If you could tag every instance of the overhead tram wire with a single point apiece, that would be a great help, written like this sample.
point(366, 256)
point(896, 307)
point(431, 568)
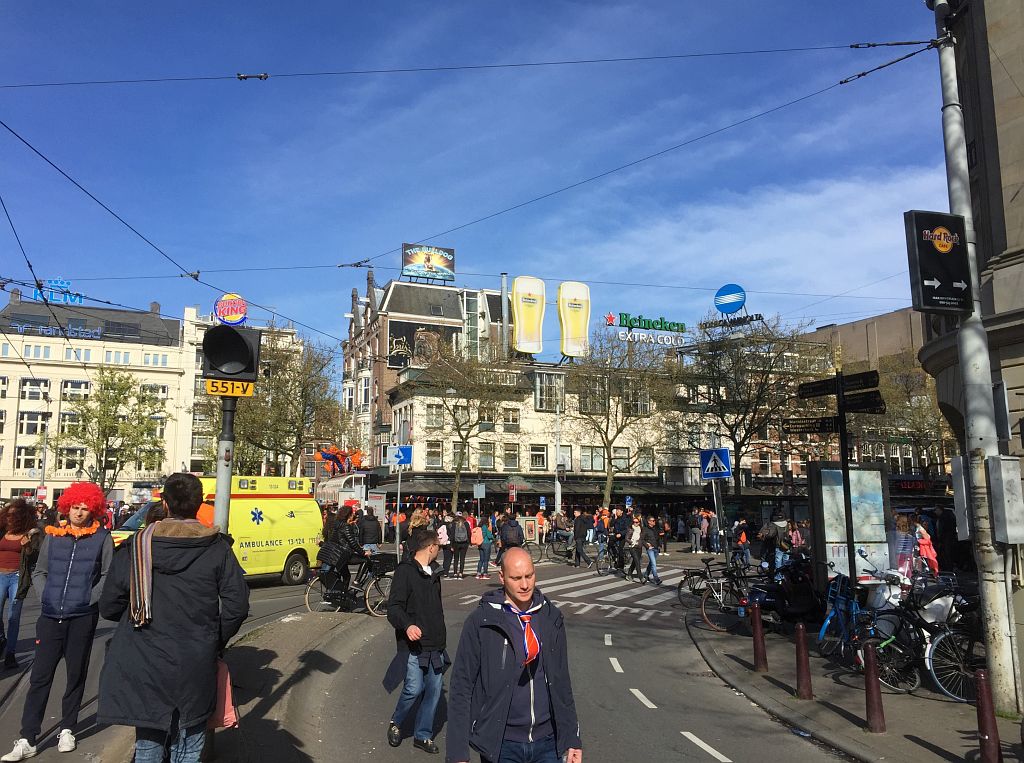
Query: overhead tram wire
point(39, 285)
point(366, 261)
point(264, 76)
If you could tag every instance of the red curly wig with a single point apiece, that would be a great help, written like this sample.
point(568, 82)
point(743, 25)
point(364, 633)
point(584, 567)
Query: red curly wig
point(88, 493)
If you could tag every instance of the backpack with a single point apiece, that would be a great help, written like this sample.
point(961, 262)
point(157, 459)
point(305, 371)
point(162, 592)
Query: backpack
point(693, 522)
point(442, 535)
point(511, 534)
point(476, 537)
point(459, 533)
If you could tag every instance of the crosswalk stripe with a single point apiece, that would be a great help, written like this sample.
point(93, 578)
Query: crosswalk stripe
point(656, 599)
point(617, 583)
point(633, 591)
point(560, 583)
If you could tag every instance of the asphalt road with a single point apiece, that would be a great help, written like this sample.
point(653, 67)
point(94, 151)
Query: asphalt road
point(642, 690)
point(267, 602)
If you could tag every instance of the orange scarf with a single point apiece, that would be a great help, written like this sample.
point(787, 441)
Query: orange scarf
point(76, 532)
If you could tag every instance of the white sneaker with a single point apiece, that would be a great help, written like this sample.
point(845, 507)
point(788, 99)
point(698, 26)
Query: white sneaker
point(66, 741)
point(22, 749)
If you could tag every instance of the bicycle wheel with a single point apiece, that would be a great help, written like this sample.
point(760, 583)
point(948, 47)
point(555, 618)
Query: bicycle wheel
point(554, 552)
point(697, 582)
point(536, 552)
point(830, 637)
point(605, 563)
point(321, 597)
point(951, 661)
point(720, 613)
point(376, 596)
point(897, 667)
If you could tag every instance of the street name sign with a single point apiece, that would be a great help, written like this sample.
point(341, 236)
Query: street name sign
point(940, 272)
point(229, 388)
point(818, 388)
point(398, 455)
point(820, 425)
point(715, 464)
point(865, 402)
point(857, 382)
point(543, 503)
point(479, 490)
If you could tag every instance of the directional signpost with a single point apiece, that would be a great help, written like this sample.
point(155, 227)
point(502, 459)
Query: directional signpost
point(940, 273)
point(866, 400)
point(398, 455)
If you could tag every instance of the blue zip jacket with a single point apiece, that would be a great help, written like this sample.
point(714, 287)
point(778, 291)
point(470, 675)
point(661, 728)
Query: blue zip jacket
point(487, 669)
point(70, 571)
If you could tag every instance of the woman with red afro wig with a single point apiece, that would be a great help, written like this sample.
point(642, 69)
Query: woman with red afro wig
point(88, 493)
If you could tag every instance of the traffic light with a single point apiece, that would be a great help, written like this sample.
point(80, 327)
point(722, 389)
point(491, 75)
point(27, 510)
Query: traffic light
point(231, 354)
point(560, 472)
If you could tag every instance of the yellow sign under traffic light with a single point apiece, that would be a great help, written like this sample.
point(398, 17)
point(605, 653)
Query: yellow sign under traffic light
point(229, 388)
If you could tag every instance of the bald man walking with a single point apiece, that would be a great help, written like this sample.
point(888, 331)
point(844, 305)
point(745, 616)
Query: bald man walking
point(510, 697)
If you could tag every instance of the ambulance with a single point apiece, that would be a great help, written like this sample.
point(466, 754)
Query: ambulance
point(276, 525)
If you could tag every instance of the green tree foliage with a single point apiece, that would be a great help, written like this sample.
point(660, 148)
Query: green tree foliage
point(118, 426)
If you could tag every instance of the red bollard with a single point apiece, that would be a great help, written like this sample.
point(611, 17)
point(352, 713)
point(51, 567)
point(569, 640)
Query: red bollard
point(988, 731)
point(873, 691)
point(760, 655)
point(803, 664)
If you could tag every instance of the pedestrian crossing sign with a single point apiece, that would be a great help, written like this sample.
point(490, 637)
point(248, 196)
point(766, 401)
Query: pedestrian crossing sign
point(715, 464)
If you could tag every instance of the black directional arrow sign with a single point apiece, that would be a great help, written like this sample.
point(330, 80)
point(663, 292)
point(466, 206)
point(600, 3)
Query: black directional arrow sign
point(818, 388)
point(865, 402)
point(821, 425)
point(940, 273)
point(857, 382)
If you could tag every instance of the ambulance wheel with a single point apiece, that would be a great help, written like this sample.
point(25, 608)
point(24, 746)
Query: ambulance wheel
point(296, 570)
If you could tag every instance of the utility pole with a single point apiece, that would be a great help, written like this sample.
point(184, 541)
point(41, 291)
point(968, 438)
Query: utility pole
point(976, 380)
point(225, 452)
point(558, 456)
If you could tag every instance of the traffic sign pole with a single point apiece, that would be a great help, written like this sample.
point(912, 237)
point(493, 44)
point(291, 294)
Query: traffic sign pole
point(225, 452)
point(844, 461)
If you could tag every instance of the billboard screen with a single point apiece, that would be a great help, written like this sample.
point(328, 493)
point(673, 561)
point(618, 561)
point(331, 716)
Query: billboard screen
point(422, 261)
point(407, 340)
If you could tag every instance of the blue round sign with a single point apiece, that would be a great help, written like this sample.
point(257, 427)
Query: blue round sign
point(730, 298)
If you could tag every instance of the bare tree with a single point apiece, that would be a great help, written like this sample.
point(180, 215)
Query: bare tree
point(619, 397)
point(744, 378)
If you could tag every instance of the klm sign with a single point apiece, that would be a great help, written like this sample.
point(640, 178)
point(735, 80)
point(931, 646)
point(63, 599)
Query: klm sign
point(57, 291)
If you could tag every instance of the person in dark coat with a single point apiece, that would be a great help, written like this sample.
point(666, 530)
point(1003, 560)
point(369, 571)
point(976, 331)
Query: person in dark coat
point(178, 595)
point(511, 695)
point(369, 532)
point(69, 573)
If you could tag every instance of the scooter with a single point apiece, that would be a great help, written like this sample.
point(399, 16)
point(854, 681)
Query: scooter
point(792, 597)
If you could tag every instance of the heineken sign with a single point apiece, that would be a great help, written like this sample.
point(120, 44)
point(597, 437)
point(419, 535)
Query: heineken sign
point(628, 323)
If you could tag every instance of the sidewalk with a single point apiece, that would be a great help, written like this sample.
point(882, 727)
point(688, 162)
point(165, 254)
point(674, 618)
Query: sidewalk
point(924, 725)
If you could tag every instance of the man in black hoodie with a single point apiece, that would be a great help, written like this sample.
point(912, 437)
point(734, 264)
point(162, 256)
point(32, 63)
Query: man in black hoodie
point(511, 695)
point(179, 595)
point(415, 611)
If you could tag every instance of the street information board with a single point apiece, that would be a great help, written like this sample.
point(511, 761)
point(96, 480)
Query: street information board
point(940, 273)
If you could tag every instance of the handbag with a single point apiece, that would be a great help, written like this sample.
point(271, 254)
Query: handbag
point(332, 553)
point(225, 714)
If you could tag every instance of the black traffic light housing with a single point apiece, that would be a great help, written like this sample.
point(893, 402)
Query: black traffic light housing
point(231, 354)
point(560, 472)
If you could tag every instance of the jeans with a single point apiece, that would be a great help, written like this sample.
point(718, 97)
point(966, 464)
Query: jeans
point(371, 548)
point(713, 538)
point(8, 590)
point(186, 745)
point(446, 557)
point(741, 554)
point(541, 751)
point(652, 564)
point(781, 558)
point(485, 557)
point(694, 540)
point(419, 681)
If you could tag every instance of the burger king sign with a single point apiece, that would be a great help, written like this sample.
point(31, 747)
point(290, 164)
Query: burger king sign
point(231, 309)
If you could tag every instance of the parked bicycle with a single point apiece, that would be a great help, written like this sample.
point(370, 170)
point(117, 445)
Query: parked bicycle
point(723, 601)
point(371, 585)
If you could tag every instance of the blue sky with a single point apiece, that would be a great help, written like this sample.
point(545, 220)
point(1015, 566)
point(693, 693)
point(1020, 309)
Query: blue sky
point(304, 171)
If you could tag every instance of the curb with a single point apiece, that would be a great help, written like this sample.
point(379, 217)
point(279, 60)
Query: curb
point(779, 709)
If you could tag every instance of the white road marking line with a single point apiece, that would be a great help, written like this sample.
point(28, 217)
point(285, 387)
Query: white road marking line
point(557, 584)
point(615, 665)
point(705, 746)
point(598, 588)
point(643, 700)
point(616, 611)
point(636, 590)
point(656, 599)
point(607, 639)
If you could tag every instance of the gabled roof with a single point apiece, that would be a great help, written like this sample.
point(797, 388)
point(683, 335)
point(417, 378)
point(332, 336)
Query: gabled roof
point(422, 300)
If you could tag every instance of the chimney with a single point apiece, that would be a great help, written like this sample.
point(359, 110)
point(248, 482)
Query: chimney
point(15, 296)
point(154, 307)
point(371, 294)
point(357, 315)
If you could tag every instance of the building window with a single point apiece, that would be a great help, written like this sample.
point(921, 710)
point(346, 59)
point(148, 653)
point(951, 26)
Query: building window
point(364, 392)
point(3, 387)
point(36, 352)
point(68, 423)
point(620, 459)
point(71, 389)
point(435, 416)
point(485, 456)
point(4, 350)
point(433, 455)
point(538, 457)
point(26, 457)
point(71, 459)
point(764, 461)
point(157, 390)
point(510, 419)
point(594, 395)
point(487, 416)
point(3, 420)
point(636, 398)
point(510, 457)
point(78, 354)
point(564, 457)
point(34, 389)
point(591, 459)
point(460, 455)
point(201, 443)
point(160, 428)
point(548, 393)
point(30, 422)
point(645, 460)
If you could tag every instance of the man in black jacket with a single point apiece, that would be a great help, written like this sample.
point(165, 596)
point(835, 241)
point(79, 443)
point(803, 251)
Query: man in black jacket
point(617, 536)
point(369, 532)
point(179, 595)
point(649, 541)
point(580, 525)
point(415, 611)
point(511, 695)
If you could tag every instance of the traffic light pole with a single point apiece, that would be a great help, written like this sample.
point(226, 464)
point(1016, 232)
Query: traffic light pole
point(976, 381)
point(225, 452)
